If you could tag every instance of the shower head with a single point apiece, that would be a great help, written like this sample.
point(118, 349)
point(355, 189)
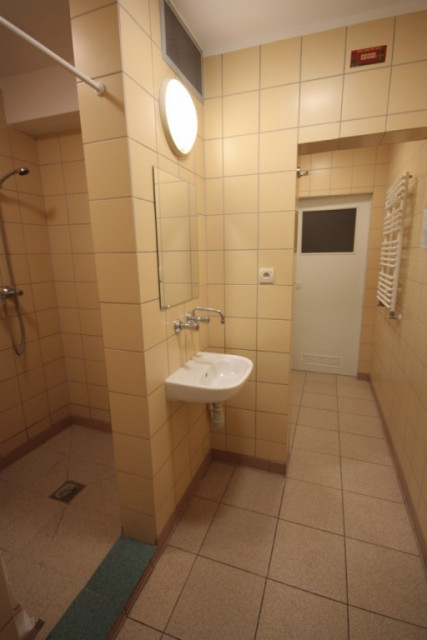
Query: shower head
point(22, 171)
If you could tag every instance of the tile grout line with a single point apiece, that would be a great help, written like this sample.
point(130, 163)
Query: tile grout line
point(196, 555)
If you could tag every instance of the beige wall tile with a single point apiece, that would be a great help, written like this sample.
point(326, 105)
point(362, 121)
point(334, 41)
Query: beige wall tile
point(319, 132)
point(241, 301)
point(135, 47)
point(153, 324)
point(212, 118)
point(240, 333)
point(274, 301)
point(78, 208)
point(410, 41)
point(241, 267)
point(117, 277)
point(240, 155)
point(279, 107)
point(104, 117)
point(240, 70)
point(271, 427)
point(240, 422)
point(48, 148)
point(278, 150)
point(129, 414)
point(97, 56)
point(240, 194)
point(108, 165)
point(271, 451)
point(135, 492)
point(273, 367)
point(276, 230)
point(161, 447)
point(373, 85)
point(212, 76)
point(132, 455)
point(156, 366)
point(125, 371)
point(320, 101)
point(244, 446)
point(121, 325)
point(407, 93)
point(323, 54)
point(140, 113)
point(272, 398)
point(241, 114)
point(280, 62)
point(112, 225)
point(273, 335)
point(240, 231)
point(277, 191)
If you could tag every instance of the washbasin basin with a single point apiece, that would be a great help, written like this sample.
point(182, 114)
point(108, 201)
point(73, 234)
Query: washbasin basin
point(208, 377)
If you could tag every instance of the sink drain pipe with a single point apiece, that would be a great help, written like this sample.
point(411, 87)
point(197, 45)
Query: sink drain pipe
point(216, 412)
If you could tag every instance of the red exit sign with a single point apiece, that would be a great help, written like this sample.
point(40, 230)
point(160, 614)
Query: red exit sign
point(372, 55)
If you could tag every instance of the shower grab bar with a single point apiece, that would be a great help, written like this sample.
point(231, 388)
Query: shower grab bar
point(98, 86)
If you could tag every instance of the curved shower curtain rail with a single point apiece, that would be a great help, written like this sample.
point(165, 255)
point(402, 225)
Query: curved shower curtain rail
point(98, 86)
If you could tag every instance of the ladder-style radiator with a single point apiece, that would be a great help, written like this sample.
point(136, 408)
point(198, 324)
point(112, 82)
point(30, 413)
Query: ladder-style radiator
point(391, 247)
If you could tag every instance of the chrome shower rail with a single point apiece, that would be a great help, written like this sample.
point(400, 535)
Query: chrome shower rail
point(98, 86)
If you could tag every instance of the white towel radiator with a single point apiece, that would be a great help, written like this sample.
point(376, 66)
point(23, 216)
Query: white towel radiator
point(391, 247)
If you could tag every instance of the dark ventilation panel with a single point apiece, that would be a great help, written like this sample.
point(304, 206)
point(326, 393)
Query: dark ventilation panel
point(179, 48)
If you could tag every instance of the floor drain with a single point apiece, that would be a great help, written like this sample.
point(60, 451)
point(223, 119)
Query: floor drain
point(67, 491)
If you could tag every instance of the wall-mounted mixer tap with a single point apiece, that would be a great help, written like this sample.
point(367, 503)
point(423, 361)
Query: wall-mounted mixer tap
point(192, 315)
point(192, 319)
point(180, 325)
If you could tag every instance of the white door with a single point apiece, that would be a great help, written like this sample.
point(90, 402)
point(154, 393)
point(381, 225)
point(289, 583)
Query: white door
point(329, 283)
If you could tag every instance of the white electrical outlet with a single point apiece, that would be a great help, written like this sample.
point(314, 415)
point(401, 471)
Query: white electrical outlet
point(266, 275)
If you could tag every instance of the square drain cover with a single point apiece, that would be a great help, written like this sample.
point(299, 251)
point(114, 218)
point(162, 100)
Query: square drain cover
point(67, 491)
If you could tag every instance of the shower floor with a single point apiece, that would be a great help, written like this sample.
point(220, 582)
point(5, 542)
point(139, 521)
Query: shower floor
point(52, 548)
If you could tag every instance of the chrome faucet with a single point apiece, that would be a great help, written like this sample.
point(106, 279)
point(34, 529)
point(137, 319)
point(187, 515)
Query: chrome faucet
point(192, 315)
point(192, 320)
point(191, 325)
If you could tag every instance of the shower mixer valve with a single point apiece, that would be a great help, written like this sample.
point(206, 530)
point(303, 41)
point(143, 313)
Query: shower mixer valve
point(9, 292)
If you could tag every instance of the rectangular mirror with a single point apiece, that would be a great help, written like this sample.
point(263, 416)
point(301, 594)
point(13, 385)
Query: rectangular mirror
point(176, 228)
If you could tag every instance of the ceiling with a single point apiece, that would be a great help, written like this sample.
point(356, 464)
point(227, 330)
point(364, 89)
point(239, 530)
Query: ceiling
point(217, 25)
point(228, 25)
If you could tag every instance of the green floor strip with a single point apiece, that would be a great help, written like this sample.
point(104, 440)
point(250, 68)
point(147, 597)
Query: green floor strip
point(94, 612)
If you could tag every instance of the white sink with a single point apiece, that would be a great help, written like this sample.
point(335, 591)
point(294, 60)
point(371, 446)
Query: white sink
point(208, 377)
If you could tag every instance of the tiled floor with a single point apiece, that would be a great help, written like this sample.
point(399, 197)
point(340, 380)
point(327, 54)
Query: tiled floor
point(327, 554)
point(51, 549)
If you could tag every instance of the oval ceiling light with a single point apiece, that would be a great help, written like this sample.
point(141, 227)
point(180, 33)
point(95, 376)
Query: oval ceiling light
point(178, 115)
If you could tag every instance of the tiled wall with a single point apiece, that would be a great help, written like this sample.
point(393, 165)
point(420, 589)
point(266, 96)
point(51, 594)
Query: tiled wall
point(362, 170)
point(73, 262)
point(159, 446)
point(33, 389)
point(260, 103)
point(399, 364)
point(46, 221)
point(250, 149)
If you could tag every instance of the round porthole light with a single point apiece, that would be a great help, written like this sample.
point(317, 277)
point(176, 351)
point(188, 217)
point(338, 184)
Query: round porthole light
point(178, 115)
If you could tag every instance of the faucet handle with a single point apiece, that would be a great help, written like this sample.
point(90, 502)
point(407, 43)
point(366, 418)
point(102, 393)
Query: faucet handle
point(193, 318)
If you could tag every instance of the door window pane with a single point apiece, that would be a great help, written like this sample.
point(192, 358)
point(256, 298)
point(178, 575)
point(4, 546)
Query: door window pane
point(328, 231)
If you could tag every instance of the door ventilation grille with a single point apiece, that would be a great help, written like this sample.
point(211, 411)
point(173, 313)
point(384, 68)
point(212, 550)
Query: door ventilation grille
point(334, 362)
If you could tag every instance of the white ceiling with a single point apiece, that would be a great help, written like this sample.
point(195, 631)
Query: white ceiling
point(217, 25)
point(228, 25)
